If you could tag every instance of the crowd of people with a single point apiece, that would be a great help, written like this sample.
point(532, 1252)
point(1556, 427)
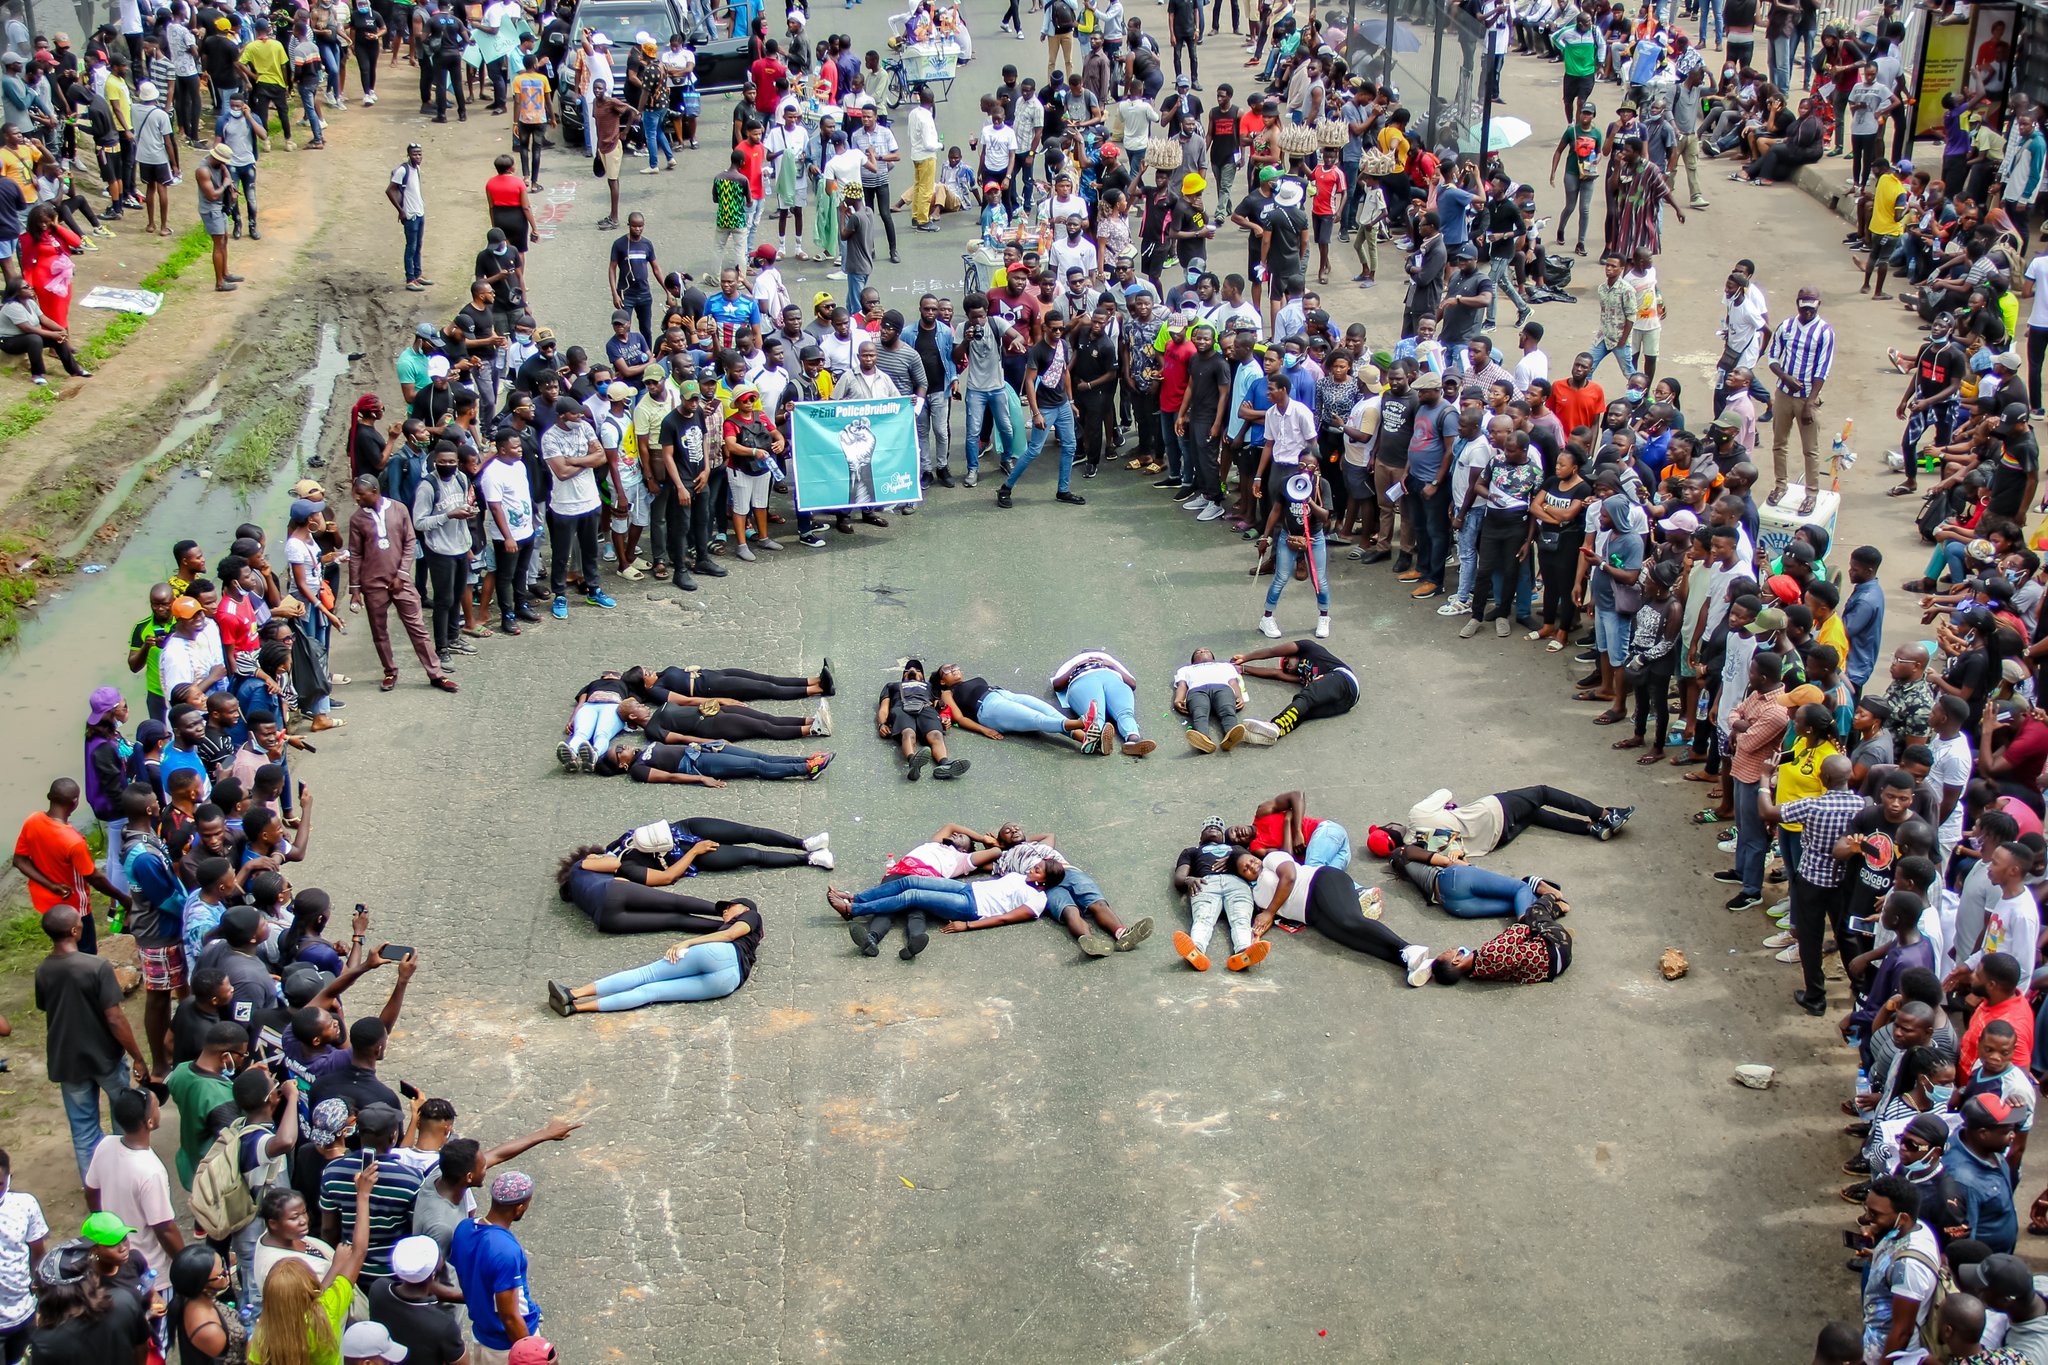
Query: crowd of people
point(1894, 824)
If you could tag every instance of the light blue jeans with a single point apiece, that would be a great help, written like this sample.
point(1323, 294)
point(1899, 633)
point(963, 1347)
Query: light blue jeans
point(1111, 696)
point(1468, 551)
point(1225, 896)
point(705, 971)
point(1006, 711)
point(854, 284)
point(654, 128)
point(1623, 355)
point(1475, 893)
point(1330, 846)
point(82, 1109)
point(1059, 421)
point(1283, 571)
point(934, 895)
point(979, 400)
point(1781, 60)
point(1713, 28)
point(597, 724)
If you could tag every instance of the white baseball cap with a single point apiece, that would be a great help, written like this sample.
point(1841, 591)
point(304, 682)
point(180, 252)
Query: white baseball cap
point(370, 1341)
point(415, 1259)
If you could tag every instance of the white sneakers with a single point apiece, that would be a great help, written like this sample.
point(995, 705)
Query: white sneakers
point(1263, 733)
point(1782, 939)
point(1457, 606)
point(1269, 628)
point(1323, 626)
point(1214, 511)
point(821, 857)
point(1196, 503)
point(816, 842)
point(1415, 958)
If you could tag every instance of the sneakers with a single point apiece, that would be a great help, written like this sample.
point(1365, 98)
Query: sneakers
point(973, 478)
point(586, 757)
point(1782, 939)
point(1233, 737)
point(950, 769)
point(769, 543)
point(1194, 956)
point(745, 552)
point(1728, 876)
point(1790, 954)
point(821, 857)
point(1611, 820)
point(565, 756)
point(1455, 606)
point(1415, 958)
point(1425, 590)
point(1250, 957)
point(914, 767)
point(560, 609)
point(1269, 628)
point(1214, 511)
point(1095, 945)
point(818, 841)
point(1134, 933)
point(1323, 627)
point(598, 597)
point(1726, 844)
point(1199, 500)
point(1471, 629)
point(1263, 733)
point(811, 540)
point(1199, 741)
point(1745, 900)
point(821, 724)
point(1070, 499)
point(1408, 576)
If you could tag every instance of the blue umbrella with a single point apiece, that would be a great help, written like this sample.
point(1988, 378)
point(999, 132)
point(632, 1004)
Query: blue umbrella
point(1374, 31)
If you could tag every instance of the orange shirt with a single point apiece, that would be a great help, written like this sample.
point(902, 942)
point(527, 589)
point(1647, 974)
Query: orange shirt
point(1577, 407)
point(57, 851)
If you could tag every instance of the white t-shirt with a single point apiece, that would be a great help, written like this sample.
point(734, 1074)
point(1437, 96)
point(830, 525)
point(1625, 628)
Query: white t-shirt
point(1953, 762)
point(188, 660)
point(135, 1188)
point(2013, 926)
point(1476, 455)
point(413, 202)
point(1075, 253)
point(1534, 365)
point(1295, 910)
point(303, 552)
point(1364, 415)
point(505, 484)
point(1479, 822)
point(998, 145)
point(2037, 271)
point(943, 859)
point(21, 1222)
point(1001, 895)
point(577, 493)
point(1216, 673)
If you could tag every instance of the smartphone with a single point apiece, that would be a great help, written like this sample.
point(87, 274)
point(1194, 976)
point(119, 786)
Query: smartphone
point(395, 952)
point(361, 909)
point(409, 1090)
point(1863, 924)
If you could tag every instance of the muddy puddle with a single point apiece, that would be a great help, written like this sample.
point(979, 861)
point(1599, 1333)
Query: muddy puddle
point(77, 637)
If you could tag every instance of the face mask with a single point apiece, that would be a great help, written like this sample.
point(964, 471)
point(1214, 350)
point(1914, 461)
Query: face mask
point(1940, 1095)
point(1922, 1166)
point(1290, 362)
point(1634, 395)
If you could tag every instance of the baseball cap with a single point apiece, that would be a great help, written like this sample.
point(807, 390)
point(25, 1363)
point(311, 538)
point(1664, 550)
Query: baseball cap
point(2001, 1274)
point(765, 252)
point(1727, 420)
point(437, 367)
point(2015, 414)
point(1904, 166)
point(299, 513)
point(302, 988)
point(309, 489)
point(531, 1351)
point(1806, 694)
point(1682, 521)
point(600, 39)
point(2009, 359)
point(104, 1229)
point(1768, 620)
point(1378, 842)
point(371, 1341)
point(185, 608)
point(101, 703)
point(1784, 587)
point(617, 391)
point(1987, 1111)
point(415, 1259)
point(1269, 174)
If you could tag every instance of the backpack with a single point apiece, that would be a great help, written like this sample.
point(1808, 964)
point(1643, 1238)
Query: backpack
point(1062, 16)
point(222, 1202)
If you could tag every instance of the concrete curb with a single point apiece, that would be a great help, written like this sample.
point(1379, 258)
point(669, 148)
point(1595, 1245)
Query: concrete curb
point(1822, 183)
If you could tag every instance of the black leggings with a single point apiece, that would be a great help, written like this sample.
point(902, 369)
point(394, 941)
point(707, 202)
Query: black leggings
point(1216, 19)
point(877, 197)
point(630, 908)
point(1653, 696)
point(738, 683)
point(366, 64)
point(1333, 912)
point(1526, 806)
point(1559, 567)
point(731, 837)
point(744, 722)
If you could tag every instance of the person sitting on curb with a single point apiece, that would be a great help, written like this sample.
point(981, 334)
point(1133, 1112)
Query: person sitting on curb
point(1205, 874)
point(906, 715)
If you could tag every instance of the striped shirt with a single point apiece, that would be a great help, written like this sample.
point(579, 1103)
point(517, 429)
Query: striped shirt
point(391, 1201)
point(1805, 351)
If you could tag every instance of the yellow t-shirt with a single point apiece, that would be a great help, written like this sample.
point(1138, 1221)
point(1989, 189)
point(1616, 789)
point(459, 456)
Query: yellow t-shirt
point(530, 98)
point(1884, 219)
point(116, 91)
point(15, 167)
point(1799, 774)
point(1395, 143)
point(1832, 633)
point(266, 58)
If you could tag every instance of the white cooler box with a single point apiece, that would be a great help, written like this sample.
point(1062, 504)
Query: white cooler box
point(1776, 523)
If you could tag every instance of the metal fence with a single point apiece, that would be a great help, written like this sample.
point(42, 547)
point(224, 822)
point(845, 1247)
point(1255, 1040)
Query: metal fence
point(1432, 51)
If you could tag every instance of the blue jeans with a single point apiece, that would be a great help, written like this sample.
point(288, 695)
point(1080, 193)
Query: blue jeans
point(1610, 634)
point(1751, 843)
point(978, 401)
point(1076, 891)
point(654, 128)
point(933, 895)
point(1284, 556)
point(307, 94)
point(1624, 356)
point(1013, 711)
point(1172, 444)
point(1475, 893)
point(1468, 550)
point(415, 237)
point(82, 1109)
point(1713, 28)
point(854, 284)
point(595, 723)
point(1059, 421)
point(1329, 846)
point(733, 761)
point(706, 971)
point(1501, 270)
point(1111, 696)
point(1781, 61)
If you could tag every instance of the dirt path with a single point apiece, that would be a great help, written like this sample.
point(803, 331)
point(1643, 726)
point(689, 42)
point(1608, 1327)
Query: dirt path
point(329, 253)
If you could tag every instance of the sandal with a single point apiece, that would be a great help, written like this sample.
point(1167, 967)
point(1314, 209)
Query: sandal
point(1699, 776)
point(339, 679)
point(1138, 463)
point(1647, 759)
point(478, 632)
point(1610, 717)
point(1588, 694)
point(1628, 742)
point(1707, 817)
point(1903, 490)
point(325, 723)
point(1553, 647)
point(1686, 759)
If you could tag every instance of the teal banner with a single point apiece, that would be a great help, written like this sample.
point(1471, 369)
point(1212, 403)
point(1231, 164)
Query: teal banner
point(855, 453)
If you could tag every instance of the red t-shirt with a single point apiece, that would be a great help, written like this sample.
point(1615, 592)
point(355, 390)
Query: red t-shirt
point(1270, 831)
point(1021, 311)
point(502, 191)
point(754, 155)
point(237, 623)
point(1330, 189)
point(1577, 407)
point(765, 73)
point(2028, 753)
point(1173, 385)
point(2016, 1012)
point(57, 851)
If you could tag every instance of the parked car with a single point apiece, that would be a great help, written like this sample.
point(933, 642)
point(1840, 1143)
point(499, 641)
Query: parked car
point(721, 62)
